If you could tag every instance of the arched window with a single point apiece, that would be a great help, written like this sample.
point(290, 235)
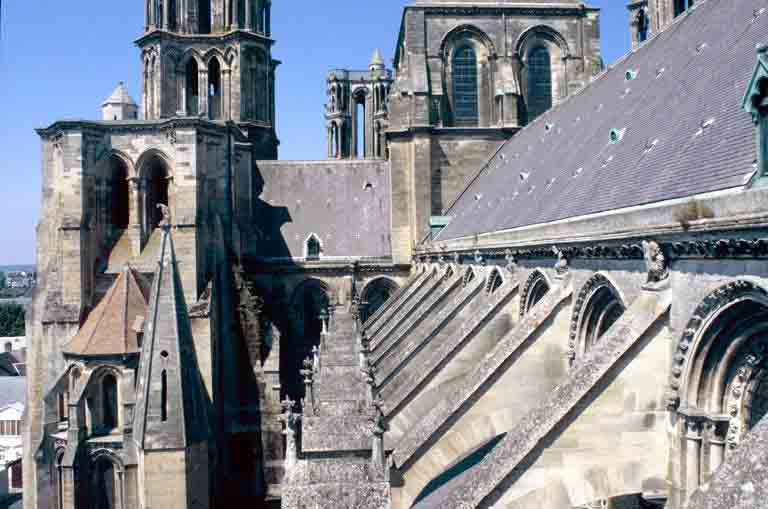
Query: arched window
point(109, 412)
point(359, 141)
point(214, 89)
point(314, 249)
point(642, 26)
point(204, 16)
point(539, 82)
point(598, 307)
point(155, 193)
point(375, 295)
point(104, 485)
point(192, 88)
point(535, 289)
point(118, 190)
point(465, 95)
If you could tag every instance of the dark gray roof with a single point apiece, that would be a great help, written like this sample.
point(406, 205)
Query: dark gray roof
point(495, 3)
point(345, 203)
point(13, 389)
point(563, 166)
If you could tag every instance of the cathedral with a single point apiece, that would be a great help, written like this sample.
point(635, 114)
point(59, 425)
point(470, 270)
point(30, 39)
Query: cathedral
point(520, 279)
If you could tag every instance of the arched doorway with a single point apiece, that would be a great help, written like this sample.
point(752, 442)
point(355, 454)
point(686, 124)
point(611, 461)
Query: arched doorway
point(375, 295)
point(309, 303)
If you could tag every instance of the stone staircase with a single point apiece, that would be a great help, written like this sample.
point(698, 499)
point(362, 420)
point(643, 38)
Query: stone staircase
point(488, 481)
point(336, 464)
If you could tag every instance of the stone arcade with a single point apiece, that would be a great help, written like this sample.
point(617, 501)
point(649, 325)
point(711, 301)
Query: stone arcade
point(518, 280)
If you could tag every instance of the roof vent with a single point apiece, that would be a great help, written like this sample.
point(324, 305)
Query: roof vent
point(706, 124)
point(616, 136)
point(550, 182)
point(478, 197)
point(757, 13)
point(701, 47)
point(650, 144)
point(577, 172)
point(531, 189)
point(599, 107)
point(607, 162)
point(549, 126)
point(630, 75)
point(659, 72)
point(524, 175)
point(368, 186)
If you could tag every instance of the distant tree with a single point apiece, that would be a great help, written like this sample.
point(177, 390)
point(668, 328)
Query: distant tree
point(11, 320)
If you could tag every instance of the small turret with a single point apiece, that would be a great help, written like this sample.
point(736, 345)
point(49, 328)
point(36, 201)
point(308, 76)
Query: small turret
point(120, 105)
point(377, 61)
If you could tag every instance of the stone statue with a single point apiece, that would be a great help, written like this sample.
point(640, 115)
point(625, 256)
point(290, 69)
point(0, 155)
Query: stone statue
point(655, 262)
point(561, 267)
point(166, 213)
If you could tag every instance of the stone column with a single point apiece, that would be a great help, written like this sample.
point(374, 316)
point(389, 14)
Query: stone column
point(236, 14)
point(134, 220)
point(203, 92)
point(226, 94)
point(309, 393)
point(166, 15)
point(718, 429)
point(248, 14)
point(693, 441)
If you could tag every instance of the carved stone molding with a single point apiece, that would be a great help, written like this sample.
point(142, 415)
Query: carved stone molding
point(535, 277)
point(586, 291)
point(711, 303)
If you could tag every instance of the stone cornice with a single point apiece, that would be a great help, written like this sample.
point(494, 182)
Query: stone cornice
point(227, 37)
point(98, 128)
point(511, 10)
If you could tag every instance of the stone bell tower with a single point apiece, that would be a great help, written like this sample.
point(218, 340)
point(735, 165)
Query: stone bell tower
point(211, 59)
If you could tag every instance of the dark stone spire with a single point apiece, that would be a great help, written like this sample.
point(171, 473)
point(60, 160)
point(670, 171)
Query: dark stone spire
point(172, 405)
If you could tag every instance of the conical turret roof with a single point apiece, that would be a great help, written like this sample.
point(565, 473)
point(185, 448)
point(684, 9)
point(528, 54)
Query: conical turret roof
point(110, 328)
point(120, 96)
point(172, 402)
point(377, 60)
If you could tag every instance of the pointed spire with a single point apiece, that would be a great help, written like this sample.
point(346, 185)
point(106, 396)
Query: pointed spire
point(120, 96)
point(172, 404)
point(119, 105)
point(114, 325)
point(377, 61)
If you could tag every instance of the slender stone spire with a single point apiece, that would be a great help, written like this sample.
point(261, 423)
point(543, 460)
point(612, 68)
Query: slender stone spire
point(377, 61)
point(172, 406)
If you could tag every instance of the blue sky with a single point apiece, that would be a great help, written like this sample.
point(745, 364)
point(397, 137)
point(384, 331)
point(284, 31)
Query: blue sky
point(62, 59)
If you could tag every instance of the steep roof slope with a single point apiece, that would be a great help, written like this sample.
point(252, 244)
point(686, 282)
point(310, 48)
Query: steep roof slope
point(110, 327)
point(682, 131)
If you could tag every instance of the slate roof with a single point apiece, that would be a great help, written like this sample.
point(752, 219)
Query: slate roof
point(496, 3)
point(13, 389)
point(110, 327)
point(684, 132)
point(345, 203)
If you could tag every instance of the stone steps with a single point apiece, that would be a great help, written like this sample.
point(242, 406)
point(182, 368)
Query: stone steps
point(486, 484)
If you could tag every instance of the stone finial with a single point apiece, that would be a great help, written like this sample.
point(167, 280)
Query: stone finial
point(316, 358)
point(378, 463)
point(324, 319)
point(365, 349)
point(511, 261)
point(369, 376)
point(655, 262)
point(307, 373)
point(479, 257)
point(290, 419)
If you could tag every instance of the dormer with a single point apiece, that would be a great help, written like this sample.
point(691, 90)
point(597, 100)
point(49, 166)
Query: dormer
point(756, 103)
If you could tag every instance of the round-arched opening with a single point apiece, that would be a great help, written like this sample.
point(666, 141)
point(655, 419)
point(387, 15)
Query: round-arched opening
point(109, 410)
point(494, 282)
point(192, 88)
point(309, 303)
point(539, 81)
point(104, 494)
point(359, 124)
point(375, 295)
point(602, 310)
point(725, 390)
point(155, 186)
point(119, 209)
point(537, 287)
point(214, 90)
point(465, 87)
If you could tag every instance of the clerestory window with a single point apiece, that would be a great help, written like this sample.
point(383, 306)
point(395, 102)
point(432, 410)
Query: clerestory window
point(465, 95)
point(539, 82)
